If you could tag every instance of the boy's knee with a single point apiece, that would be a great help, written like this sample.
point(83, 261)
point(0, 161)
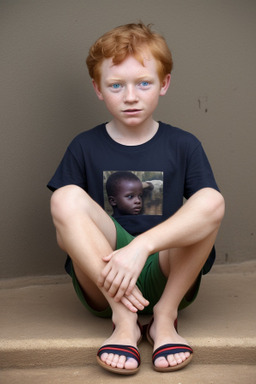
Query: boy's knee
point(218, 208)
point(66, 201)
point(214, 206)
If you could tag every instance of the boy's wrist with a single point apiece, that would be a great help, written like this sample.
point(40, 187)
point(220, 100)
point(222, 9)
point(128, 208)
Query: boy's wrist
point(143, 242)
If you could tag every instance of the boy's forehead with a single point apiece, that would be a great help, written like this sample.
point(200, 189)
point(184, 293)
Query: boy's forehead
point(143, 62)
point(129, 183)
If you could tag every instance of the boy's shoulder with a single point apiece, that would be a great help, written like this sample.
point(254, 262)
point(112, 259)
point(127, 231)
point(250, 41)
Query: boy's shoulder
point(91, 132)
point(177, 133)
point(89, 136)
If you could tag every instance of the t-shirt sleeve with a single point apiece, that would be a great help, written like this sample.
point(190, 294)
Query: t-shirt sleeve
point(199, 173)
point(71, 170)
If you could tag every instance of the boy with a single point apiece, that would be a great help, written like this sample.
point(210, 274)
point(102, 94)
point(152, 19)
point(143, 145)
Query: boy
point(125, 192)
point(159, 270)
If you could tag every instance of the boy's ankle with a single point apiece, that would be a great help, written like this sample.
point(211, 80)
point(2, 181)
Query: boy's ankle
point(127, 318)
point(165, 312)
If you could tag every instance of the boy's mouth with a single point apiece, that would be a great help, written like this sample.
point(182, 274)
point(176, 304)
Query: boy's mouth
point(132, 110)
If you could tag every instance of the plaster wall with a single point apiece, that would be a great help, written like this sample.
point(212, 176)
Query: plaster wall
point(47, 98)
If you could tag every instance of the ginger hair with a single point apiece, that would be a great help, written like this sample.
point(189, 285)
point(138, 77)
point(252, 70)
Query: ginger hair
point(126, 40)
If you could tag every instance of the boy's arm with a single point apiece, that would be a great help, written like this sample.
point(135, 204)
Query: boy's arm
point(193, 222)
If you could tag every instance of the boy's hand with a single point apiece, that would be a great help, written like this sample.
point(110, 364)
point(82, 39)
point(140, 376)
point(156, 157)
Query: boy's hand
point(135, 301)
point(123, 268)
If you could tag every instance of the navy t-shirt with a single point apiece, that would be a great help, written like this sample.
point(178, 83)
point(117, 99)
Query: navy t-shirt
point(171, 166)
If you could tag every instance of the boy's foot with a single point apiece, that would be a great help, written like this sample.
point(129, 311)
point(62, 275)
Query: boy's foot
point(119, 353)
point(171, 351)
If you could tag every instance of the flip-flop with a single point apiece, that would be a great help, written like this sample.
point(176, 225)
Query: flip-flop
point(124, 350)
point(168, 349)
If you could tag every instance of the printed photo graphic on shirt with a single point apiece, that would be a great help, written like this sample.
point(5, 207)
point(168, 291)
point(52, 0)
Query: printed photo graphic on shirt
point(133, 193)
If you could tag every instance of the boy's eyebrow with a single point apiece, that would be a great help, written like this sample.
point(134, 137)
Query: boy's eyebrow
point(113, 79)
point(119, 79)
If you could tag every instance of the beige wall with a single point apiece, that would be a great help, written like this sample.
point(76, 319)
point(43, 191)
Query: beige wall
point(47, 98)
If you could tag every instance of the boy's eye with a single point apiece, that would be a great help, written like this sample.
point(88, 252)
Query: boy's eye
point(116, 86)
point(144, 83)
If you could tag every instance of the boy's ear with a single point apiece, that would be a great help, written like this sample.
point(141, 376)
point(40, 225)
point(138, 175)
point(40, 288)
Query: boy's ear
point(165, 84)
point(97, 89)
point(112, 201)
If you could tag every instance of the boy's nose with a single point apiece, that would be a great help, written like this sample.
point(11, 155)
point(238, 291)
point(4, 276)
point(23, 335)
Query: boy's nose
point(130, 94)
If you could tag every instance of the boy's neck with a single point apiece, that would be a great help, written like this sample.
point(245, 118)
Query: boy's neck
point(132, 135)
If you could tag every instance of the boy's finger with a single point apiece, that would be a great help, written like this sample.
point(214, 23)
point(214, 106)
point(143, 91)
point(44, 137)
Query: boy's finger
point(112, 284)
point(106, 282)
point(131, 286)
point(139, 297)
point(127, 303)
point(102, 276)
point(135, 302)
point(122, 288)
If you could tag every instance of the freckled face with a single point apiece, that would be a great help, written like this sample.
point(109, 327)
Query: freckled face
point(131, 90)
point(128, 200)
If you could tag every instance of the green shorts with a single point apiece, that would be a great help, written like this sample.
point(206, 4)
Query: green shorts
point(151, 281)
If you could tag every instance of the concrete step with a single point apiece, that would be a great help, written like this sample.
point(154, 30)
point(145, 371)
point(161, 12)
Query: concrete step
point(43, 325)
point(92, 374)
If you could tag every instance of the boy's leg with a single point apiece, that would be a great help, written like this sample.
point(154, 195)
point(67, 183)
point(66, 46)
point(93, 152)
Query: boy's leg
point(126, 331)
point(87, 234)
point(182, 268)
